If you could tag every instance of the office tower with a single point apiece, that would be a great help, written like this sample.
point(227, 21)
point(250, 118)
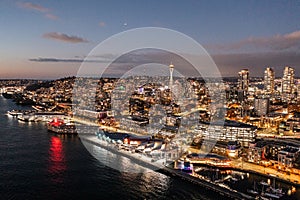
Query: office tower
point(288, 81)
point(269, 77)
point(243, 82)
point(288, 84)
point(261, 106)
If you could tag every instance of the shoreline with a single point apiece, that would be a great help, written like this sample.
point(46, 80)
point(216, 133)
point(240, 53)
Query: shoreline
point(229, 193)
point(257, 171)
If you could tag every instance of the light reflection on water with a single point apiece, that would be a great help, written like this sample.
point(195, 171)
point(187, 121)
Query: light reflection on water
point(57, 164)
point(129, 168)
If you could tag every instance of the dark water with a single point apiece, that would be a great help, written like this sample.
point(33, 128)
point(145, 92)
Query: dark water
point(35, 164)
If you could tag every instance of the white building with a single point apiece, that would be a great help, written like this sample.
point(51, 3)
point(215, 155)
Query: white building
point(228, 131)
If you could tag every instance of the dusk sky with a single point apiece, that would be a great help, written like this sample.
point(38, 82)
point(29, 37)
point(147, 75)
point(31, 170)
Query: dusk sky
point(45, 39)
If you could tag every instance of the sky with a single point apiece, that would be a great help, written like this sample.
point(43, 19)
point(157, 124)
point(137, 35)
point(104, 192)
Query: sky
point(48, 39)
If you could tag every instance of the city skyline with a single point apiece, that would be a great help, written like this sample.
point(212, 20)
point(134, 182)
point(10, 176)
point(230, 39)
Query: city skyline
point(49, 40)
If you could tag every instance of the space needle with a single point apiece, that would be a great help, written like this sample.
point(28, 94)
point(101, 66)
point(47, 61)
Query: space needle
point(171, 68)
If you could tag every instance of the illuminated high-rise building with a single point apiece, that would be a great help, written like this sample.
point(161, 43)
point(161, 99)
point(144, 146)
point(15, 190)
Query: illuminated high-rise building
point(261, 106)
point(171, 68)
point(243, 82)
point(288, 81)
point(269, 77)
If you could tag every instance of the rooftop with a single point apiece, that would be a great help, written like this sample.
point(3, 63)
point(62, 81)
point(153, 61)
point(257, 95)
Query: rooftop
point(230, 123)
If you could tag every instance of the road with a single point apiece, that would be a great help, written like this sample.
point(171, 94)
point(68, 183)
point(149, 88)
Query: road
point(266, 170)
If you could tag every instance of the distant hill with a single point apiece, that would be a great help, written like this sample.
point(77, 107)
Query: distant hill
point(37, 86)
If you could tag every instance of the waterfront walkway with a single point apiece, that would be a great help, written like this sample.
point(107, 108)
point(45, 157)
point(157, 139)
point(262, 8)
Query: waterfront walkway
point(107, 128)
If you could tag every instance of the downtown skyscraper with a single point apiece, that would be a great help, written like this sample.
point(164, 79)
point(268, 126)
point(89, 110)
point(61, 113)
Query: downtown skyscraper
point(288, 81)
point(269, 77)
point(243, 81)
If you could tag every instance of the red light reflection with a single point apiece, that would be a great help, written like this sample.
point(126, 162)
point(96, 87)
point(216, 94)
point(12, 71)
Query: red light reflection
point(57, 164)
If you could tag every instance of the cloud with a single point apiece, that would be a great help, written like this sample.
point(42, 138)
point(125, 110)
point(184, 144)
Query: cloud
point(32, 6)
point(39, 8)
point(64, 37)
point(51, 16)
point(102, 24)
point(54, 60)
point(279, 42)
point(67, 60)
point(230, 64)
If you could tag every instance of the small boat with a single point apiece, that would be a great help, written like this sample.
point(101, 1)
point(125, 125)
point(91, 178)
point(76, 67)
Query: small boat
point(14, 113)
point(250, 191)
point(267, 194)
point(264, 183)
point(234, 179)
